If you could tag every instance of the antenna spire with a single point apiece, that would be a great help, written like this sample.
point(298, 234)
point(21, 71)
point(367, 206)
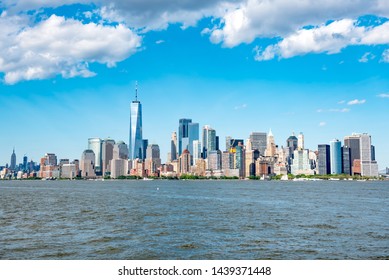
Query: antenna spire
point(136, 91)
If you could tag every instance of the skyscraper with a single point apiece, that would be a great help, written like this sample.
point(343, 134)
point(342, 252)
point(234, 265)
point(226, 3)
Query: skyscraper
point(300, 141)
point(193, 135)
point(13, 161)
point(173, 147)
point(259, 141)
point(107, 153)
point(183, 135)
point(209, 140)
point(324, 160)
point(336, 156)
point(346, 160)
point(87, 164)
point(136, 143)
point(95, 144)
point(353, 142)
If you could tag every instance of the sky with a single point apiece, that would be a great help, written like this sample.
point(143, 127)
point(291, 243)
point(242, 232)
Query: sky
point(68, 71)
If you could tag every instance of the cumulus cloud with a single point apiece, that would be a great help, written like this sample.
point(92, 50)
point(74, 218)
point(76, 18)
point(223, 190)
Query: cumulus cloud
point(330, 39)
point(60, 46)
point(383, 95)
point(356, 102)
point(281, 18)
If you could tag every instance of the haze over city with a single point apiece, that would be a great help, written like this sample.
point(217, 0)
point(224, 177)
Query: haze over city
point(238, 66)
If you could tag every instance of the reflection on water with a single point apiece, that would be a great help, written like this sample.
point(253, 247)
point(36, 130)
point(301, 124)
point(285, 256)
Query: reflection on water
point(194, 220)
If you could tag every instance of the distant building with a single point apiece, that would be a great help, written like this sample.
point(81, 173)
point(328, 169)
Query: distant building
point(324, 159)
point(259, 141)
point(119, 167)
point(209, 140)
point(336, 156)
point(184, 163)
point(183, 135)
point(12, 166)
point(87, 164)
point(153, 159)
point(107, 154)
point(95, 144)
point(300, 141)
point(346, 160)
point(120, 150)
point(301, 163)
point(136, 140)
point(193, 135)
point(173, 147)
point(196, 151)
point(214, 160)
point(270, 145)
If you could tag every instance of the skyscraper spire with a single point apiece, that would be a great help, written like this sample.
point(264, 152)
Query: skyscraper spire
point(136, 91)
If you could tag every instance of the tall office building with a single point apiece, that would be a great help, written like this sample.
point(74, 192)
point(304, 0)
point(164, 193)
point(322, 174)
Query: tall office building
point(13, 161)
point(300, 141)
point(270, 145)
point(214, 160)
point(209, 140)
point(136, 143)
point(231, 143)
point(324, 160)
point(120, 150)
point(353, 142)
point(173, 147)
point(153, 158)
point(145, 143)
point(292, 143)
point(196, 151)
point(336, 156)
point(259, 141)
point(25, 160)
point(107, 154)
point(183, 135)
point(95, 144)
point(346, 160)
point(193, 135)
point(361, 154)
point(87, 164)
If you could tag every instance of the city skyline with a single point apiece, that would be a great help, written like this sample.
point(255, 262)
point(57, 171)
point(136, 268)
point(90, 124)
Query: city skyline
point(200, 70)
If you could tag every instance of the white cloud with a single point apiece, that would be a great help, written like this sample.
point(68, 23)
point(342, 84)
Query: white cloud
point(273, 18)
point(160, 42)
point(356, 102)
point(60, 46)
point(330, 39)
point(383, 95)
point(366, 57)
point(385, 56)
point(322, 123)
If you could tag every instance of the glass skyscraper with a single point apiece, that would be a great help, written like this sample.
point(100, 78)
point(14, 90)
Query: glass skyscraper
point(136, 141)
point(183, 135)
point(336, 156)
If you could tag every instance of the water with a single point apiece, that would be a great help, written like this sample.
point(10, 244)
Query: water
point(194, 220)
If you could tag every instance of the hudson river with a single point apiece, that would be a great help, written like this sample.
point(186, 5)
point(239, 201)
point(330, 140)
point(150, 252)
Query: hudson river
point(194, 220)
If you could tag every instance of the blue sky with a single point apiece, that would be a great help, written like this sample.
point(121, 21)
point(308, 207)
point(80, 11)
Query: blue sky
point(68, 72)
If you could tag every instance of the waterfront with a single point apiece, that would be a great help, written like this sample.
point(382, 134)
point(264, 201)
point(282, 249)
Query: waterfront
point(194, 220)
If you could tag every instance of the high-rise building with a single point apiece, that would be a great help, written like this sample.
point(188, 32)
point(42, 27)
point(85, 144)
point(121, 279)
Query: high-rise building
point(239, 160)
point(13, 161)
point(361, 154)
point(300, 141)
point(270, 145)
point(346, 160)
point(214, 160)
point(173, 147)
point(95, 144)
point(292, 143)
point(184, 162)
point(144, 148)
point(25, 161)
point(136, 143)
point(301, 163)
point(196, 151)
point(209, 140)
point(120, 150)
point(353, 142)
point(107, 153)
point(119, 167)
point(324, 159)
point(87, 164)
point(183, 135)
point(193, 135)
point(336, 156)
point(259, 141)
point(231, 143)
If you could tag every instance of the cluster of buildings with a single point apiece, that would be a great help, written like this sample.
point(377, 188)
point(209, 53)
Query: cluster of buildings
point(200, 154)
